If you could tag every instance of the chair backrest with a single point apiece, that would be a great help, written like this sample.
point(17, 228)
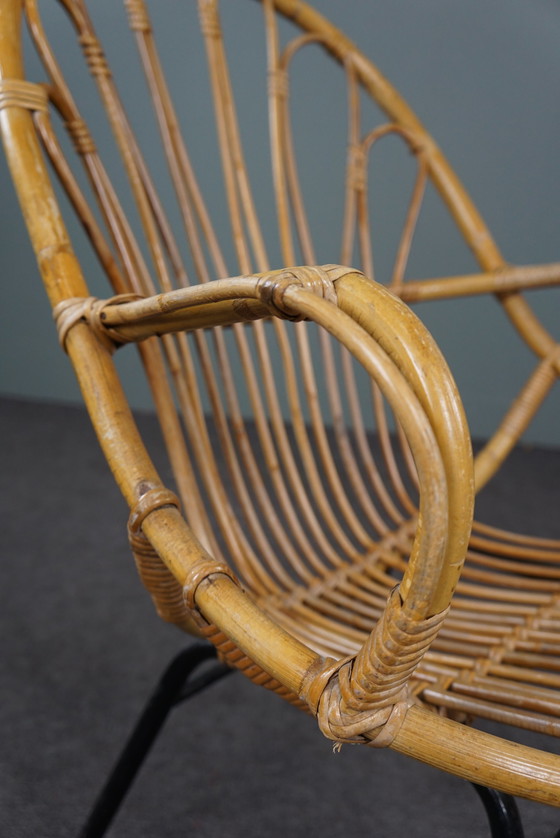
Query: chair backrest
point(143, 248)
point(150, 251)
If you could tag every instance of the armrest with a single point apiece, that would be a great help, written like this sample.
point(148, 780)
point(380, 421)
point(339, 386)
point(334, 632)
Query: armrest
point(370, 689)
point(400, 355)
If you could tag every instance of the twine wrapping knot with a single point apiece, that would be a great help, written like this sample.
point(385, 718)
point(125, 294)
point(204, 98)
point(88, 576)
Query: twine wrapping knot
point(89, 310)
point(278, 83)
point(272, 287)
point(209, 19)
point(17, 93)
point(365, 698)
point(138, 18)
point(165, 590)
point(80, 136)
point(94, 55)
point(356, 172)
point(174, 602)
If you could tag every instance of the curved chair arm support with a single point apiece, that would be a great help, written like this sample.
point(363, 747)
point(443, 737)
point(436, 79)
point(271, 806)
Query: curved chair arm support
point(353, 697)
point(384, 336)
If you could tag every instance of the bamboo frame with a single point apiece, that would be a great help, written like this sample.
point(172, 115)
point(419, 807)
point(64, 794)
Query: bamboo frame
point(291, 572)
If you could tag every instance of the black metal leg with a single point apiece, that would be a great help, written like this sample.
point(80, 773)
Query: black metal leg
point(173, 687)
point(502, 812)
point(176, 686)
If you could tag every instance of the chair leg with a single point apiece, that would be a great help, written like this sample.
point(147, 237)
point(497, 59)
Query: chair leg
point(503, 814)
point(174, 687)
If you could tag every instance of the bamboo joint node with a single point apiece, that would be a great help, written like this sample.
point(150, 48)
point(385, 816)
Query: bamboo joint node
point(17, 93)
point(272, 287)
point(365, 698)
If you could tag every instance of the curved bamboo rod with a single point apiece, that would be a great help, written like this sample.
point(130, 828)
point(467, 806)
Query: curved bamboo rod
point(357, 295)
point(502, 281)
point(446, 182)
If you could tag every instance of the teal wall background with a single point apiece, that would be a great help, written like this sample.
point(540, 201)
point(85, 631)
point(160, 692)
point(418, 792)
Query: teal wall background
point(483, 76)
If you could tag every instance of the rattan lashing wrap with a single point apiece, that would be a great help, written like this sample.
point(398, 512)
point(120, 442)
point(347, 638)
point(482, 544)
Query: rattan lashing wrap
point(174, 603)
point(369, 693)
point(91, 311)
point(19, 93)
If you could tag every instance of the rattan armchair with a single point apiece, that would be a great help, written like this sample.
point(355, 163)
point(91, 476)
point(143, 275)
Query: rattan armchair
point(321, 547)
